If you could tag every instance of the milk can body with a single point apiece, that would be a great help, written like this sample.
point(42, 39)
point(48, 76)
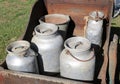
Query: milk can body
point(50, 45)
point(21, 57)
point(61, 20)
point(95, 27)
point(77, 61)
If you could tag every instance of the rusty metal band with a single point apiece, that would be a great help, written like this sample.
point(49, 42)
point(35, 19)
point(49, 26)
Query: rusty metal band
point(79, 59)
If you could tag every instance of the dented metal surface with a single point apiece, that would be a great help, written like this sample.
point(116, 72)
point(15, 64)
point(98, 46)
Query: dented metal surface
point(77, 59)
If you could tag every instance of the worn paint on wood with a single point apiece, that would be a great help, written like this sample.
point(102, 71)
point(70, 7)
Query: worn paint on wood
point(12, 77)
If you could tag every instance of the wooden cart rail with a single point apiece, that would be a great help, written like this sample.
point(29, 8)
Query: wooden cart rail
point(11, 77)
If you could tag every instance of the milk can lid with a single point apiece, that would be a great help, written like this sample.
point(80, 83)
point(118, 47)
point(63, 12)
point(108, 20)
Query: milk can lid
point(96, 15)
point(55, 18)
point(18, 47)
point(46, 29)
point(77, 44)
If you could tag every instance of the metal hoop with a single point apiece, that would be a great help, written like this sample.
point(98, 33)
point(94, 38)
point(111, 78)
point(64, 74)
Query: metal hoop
point(79, 59)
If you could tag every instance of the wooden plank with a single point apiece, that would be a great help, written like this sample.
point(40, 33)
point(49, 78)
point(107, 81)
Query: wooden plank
point(77, 12)
point(12, 77)
point(93, 2)
point(113, 59)
point(103, 71)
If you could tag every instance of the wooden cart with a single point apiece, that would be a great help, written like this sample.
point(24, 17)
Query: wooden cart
point(78, 11)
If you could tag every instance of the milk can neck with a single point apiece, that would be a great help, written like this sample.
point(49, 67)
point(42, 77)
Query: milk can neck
point(96, 15)
point(81, 53)
point(18, 48)
point(78, 47)
point(46, 30)
point(47, 36)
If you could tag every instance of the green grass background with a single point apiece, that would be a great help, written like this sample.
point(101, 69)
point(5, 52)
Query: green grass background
point(14, 16)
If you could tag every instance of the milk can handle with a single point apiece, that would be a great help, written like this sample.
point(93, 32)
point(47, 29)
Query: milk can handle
point(68, 52)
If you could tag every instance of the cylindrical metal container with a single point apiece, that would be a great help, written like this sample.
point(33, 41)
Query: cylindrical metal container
point(49, 44)
point(77, 60)
point(94, 28)
point(61, 20)
point(21, 57)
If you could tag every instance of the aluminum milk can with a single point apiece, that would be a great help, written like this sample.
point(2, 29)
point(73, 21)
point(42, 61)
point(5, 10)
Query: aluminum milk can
point(61, 20)
point(94, 28)
point(77, 60)
point(21, 57)
point(50, 45)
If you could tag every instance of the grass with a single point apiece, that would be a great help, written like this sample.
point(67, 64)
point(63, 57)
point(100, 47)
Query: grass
point(116, 22)
point(14, 16)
